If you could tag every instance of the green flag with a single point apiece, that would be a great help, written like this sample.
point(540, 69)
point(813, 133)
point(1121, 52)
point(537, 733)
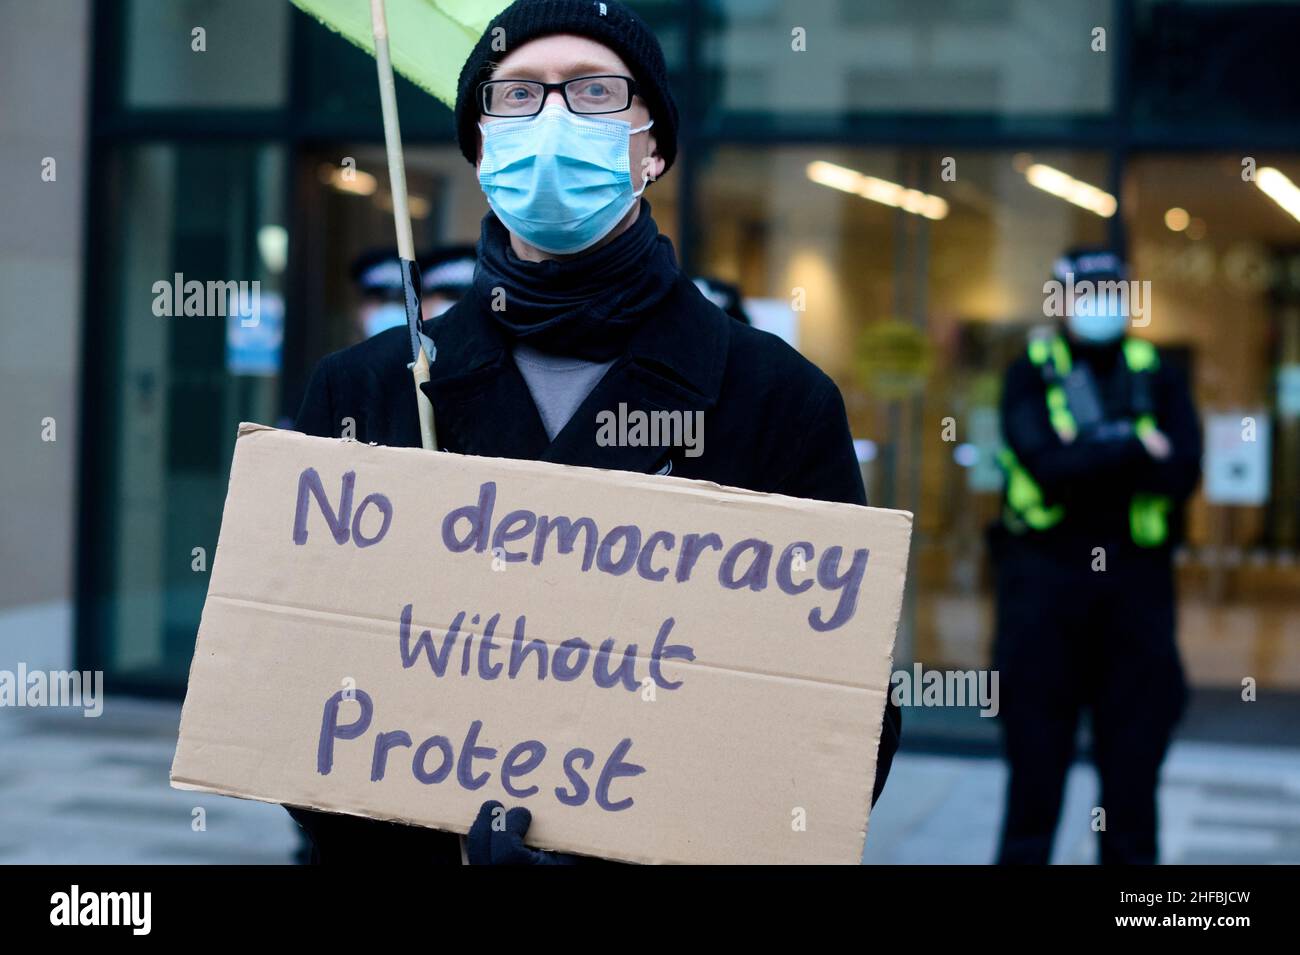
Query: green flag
point(429, 39)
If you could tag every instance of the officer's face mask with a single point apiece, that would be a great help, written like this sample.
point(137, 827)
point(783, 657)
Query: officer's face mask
point(1099, 321)
point(383, 317)
point(559, 181)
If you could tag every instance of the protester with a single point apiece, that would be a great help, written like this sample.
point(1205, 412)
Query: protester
point(578, 306)
point(1103, 448)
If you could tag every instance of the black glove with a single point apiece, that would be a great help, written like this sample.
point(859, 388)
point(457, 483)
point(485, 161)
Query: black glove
point(1107, 431)
point(487, 845)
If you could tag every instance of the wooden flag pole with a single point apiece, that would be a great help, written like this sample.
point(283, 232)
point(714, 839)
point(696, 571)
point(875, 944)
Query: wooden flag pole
point(402, 220)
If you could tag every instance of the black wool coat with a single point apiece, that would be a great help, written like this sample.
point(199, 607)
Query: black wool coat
point(772, 422)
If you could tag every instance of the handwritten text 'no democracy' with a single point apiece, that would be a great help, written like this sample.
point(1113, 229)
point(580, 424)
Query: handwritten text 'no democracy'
point(745, 564)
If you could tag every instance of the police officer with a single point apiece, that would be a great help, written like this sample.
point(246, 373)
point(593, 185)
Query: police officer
point(1102, 447)
point(446, 275)
point(377, 278)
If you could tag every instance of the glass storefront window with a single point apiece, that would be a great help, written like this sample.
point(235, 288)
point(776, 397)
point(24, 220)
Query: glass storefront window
point(907, 56)
point(205, 54)
point(1222, 65)
point(987, 262)
point(1223, 260)
point(1224, 265)
point(915, 316)
point(187, 320)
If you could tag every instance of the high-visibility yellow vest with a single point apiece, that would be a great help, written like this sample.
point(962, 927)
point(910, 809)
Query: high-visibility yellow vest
point(1024, 507)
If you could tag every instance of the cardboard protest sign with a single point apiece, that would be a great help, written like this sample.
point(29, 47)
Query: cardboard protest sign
point(662, 670)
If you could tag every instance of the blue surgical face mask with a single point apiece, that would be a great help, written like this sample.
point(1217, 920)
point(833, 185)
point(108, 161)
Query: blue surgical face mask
point(559, 181)
point(384, 317)
point(1100, 322)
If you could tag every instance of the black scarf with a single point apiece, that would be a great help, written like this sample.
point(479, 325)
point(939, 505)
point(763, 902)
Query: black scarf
point(586, 307)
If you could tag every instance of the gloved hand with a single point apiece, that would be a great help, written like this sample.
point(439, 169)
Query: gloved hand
point(503, 844)
point(1156, 443)
point(1105, 431)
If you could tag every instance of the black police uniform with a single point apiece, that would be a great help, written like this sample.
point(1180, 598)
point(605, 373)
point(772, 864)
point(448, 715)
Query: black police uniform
point(1071, 635)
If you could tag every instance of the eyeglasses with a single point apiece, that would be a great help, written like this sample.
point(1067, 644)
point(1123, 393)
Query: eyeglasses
point(582, 94)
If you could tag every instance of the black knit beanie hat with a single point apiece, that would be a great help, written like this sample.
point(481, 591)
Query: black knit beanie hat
point(605, 21)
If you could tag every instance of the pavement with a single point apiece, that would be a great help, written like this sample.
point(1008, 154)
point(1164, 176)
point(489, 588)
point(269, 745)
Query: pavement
point(1219, 803)
point(91, 791)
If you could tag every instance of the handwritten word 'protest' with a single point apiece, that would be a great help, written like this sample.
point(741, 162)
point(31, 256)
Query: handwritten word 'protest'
point(434, 760)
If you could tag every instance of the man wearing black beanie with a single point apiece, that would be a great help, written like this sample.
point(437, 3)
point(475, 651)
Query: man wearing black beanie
point(578, 307)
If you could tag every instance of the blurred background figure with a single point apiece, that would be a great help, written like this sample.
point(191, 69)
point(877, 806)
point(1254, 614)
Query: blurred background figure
point(1102, 449)
point(724, 295)
point(446, 274)
point(377, 277)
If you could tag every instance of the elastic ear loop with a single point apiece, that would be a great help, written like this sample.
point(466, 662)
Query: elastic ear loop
point(645, 180)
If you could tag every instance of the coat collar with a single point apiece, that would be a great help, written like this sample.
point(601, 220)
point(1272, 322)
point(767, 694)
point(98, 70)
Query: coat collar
point(674, 362)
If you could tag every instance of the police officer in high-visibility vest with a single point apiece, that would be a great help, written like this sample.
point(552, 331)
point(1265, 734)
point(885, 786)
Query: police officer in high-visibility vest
point(1102, 447)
